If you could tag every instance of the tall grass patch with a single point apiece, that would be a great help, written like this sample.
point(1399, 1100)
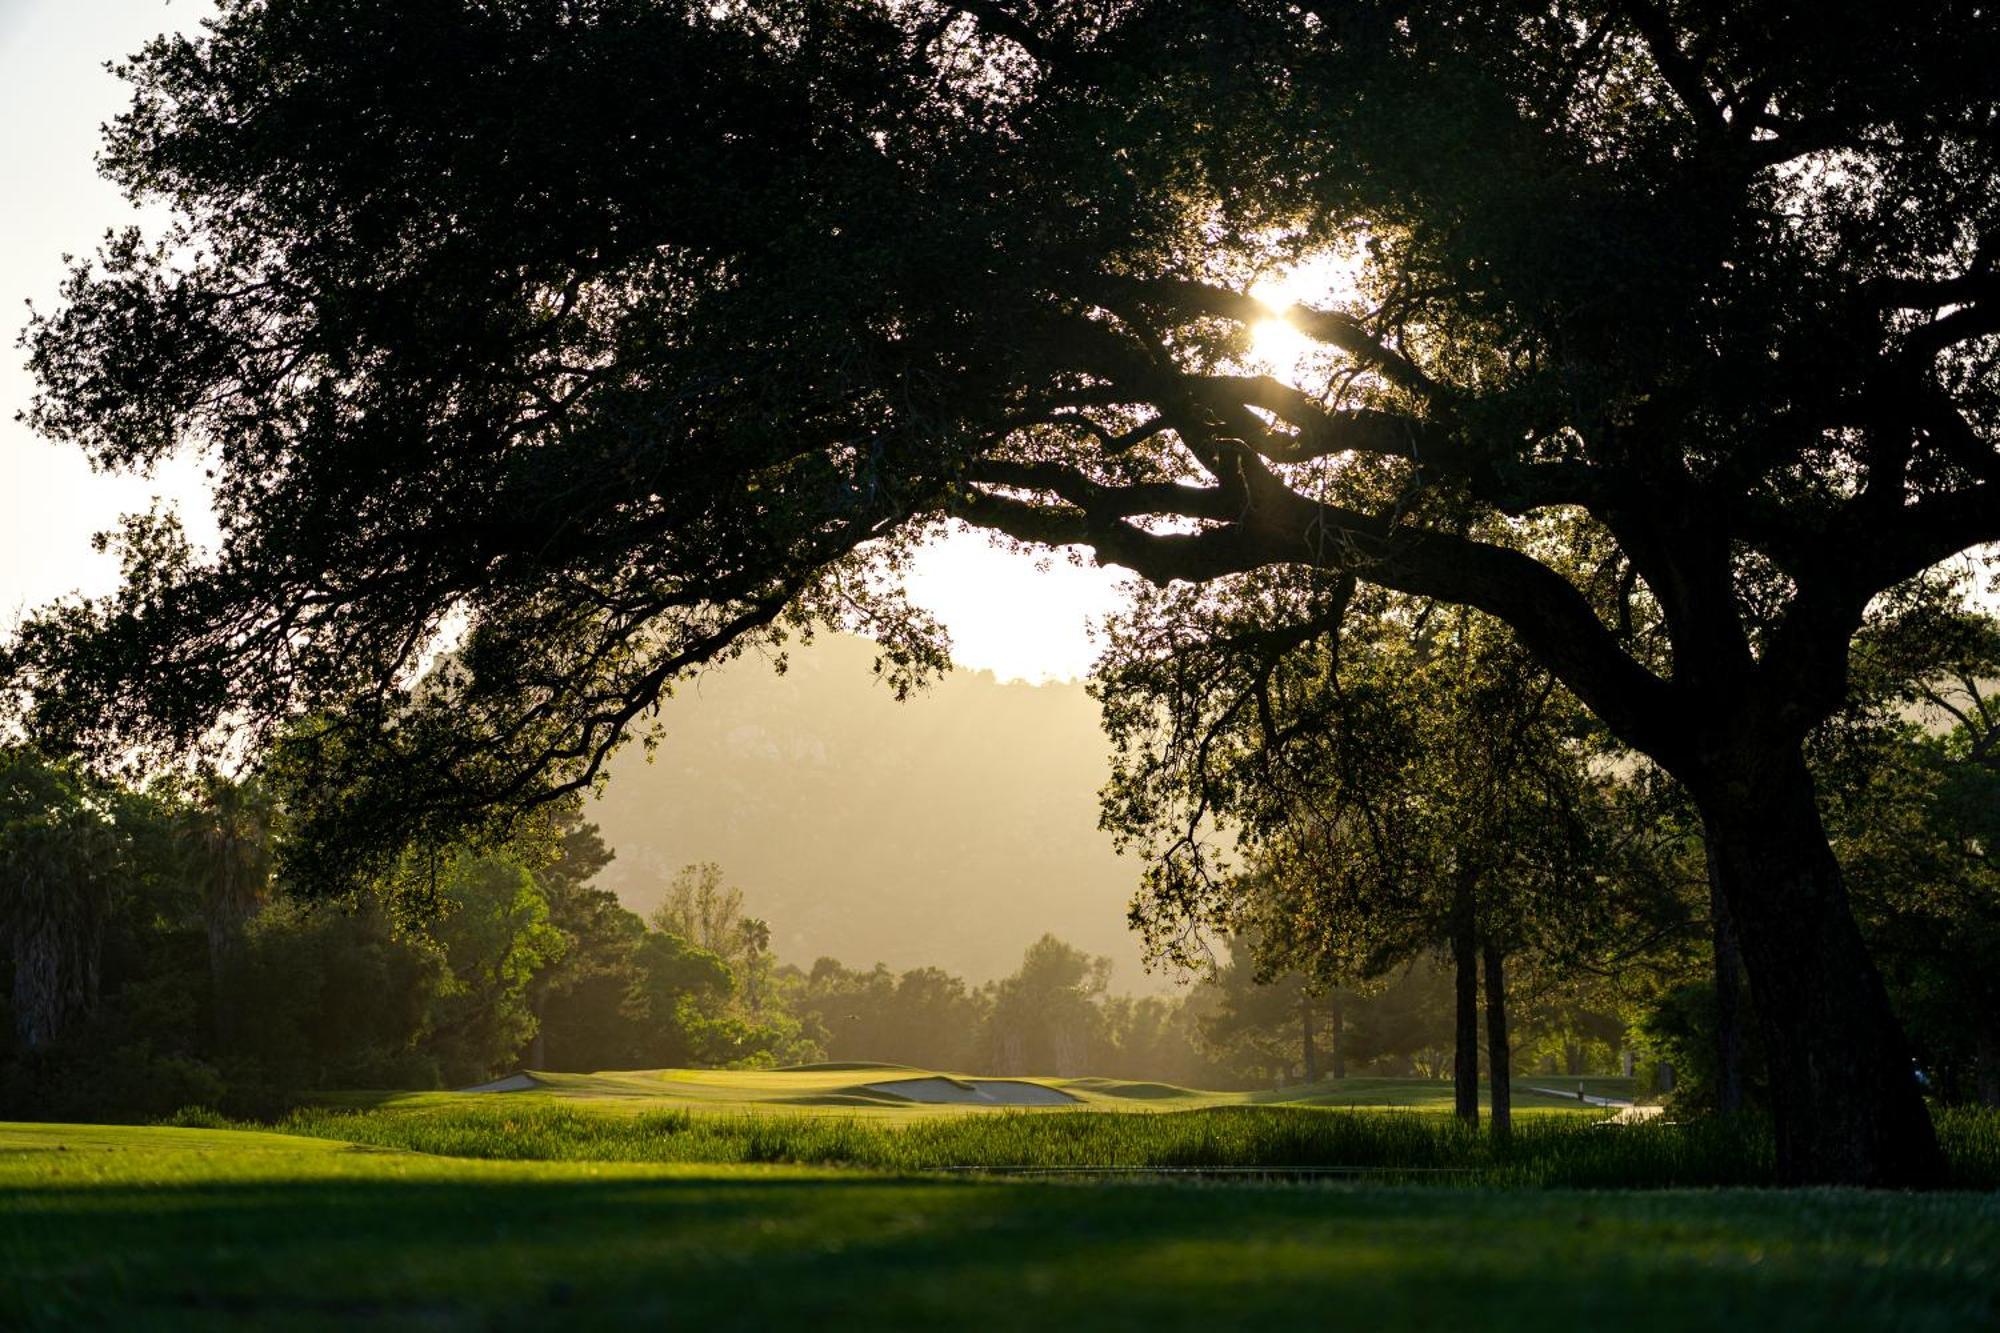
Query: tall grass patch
point(1403, 1146)
point(1269, 1141)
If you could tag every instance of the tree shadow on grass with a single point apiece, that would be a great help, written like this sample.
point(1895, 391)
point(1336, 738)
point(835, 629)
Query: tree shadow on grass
point(743, 1250)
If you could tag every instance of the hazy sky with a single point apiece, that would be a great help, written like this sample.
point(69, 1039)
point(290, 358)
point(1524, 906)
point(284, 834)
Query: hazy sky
point(1005, 614)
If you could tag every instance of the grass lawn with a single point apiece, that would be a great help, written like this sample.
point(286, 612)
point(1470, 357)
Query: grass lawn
point(165, 1228)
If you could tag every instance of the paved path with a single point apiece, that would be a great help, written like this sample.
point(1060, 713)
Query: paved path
point(1628, 1113)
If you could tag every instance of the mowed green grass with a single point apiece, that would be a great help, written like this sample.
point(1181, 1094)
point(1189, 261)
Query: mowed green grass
point(114, 1227)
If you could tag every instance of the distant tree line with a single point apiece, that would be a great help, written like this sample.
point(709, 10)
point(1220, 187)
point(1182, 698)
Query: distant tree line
point(155, 956)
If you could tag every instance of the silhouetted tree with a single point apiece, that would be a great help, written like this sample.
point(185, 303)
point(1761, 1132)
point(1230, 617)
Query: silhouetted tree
point(1047, 1018)
point(614, 334)
point(580, 1023)
point(1277, 1023)
point(1400, 777)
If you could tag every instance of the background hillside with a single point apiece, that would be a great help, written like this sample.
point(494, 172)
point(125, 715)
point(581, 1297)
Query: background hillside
point(952, 830)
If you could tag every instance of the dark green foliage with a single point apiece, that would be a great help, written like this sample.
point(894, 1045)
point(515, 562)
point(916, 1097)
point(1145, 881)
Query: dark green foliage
point(924, 1017)
point(331, 998)
point(495, 936)
point(1680, 1028)
point(580, 1001)
point(676, 987)
point(183, 993)
point(1913, 815)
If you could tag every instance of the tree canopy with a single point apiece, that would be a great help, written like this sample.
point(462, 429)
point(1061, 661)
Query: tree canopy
point(594, 340)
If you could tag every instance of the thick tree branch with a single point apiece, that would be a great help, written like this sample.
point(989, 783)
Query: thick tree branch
point(1551, 617)
point(1002, 22)
point(1514, 487)
point(1888, 551)
point(1131, 500)
point(1194, 299)
point(1680, 73)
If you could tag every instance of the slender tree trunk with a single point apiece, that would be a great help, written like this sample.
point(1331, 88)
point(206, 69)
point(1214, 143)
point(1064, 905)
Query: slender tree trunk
point(1844, 1099)
point(1336, 1037)
point(1728, 996)
point(1465, 961)
point(1499, 1057)
point(1311, 1053)
point(538, 1045)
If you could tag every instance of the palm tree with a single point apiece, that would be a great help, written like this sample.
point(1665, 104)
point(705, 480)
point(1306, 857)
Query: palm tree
point(225, 840)
point(59, 852)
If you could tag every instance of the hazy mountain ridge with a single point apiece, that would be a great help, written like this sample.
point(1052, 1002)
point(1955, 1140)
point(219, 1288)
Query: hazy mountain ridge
point(952, 829)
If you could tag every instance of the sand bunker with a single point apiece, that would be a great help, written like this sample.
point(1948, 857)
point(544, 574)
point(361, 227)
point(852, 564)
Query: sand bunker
point(975, 1092)
point(511, 1083)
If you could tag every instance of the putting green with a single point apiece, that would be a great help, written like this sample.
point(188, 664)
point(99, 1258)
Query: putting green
point(859, 1088)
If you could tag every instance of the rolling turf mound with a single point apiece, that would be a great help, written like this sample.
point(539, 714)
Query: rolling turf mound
point(837, 1066)
point(1111, 1087)
point(869, 1088)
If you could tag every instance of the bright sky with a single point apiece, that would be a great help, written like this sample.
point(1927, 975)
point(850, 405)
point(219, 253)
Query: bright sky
point(1007, 612)
point(53, 94)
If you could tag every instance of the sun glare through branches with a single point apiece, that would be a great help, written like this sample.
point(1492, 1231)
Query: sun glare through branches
point(1327, 280)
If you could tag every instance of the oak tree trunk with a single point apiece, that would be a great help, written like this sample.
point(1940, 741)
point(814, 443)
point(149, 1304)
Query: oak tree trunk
point(1728, 1000)
point(1844, 1098)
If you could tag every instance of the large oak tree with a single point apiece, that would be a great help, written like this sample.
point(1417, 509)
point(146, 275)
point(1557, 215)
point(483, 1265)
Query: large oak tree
point(610, 331)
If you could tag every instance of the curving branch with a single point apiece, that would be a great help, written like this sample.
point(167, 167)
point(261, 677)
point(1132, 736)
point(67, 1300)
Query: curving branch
point(1680, 73)
point(1193, 300)
point(1552, 618)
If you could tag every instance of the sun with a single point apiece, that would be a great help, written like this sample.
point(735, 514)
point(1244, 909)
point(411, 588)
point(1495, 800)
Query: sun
point(1279, 350)
point(1323, 281)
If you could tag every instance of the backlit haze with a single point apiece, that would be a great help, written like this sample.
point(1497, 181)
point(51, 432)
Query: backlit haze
point(1014, 615)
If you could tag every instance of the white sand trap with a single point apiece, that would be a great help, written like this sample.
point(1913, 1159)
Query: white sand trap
point(511, 1083)
point(975, 1092)
point(1637, 1115)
